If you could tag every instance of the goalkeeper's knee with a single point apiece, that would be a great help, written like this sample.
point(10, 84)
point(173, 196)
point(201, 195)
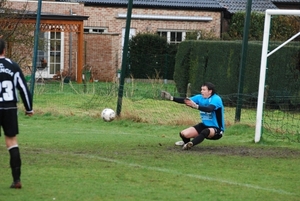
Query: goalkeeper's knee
point(205, 132)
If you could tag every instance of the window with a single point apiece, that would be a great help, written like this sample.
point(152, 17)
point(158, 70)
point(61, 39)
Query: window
point(173, 36)
point(50, 53)
point(162, 34)
point(55, 52)
point(42, 53)
point(131, 34)
point(94, 30)
point(176, 37)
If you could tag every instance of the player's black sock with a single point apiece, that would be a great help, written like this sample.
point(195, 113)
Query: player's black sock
point(204, 134)
point(184, 139)
point(15, 162)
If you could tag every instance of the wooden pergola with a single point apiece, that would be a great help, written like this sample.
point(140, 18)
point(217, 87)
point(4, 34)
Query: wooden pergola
point(62, 23)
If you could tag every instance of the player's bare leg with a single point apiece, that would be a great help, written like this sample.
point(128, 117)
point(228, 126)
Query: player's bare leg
point(198, 138)
point(186, 135)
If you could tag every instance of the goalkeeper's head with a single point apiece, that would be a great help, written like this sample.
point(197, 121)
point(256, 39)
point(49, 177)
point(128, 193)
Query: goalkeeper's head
point(210, 86)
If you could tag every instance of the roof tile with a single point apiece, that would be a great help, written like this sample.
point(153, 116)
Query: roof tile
point(201, 4)
point(231, 5)
point(234, 6)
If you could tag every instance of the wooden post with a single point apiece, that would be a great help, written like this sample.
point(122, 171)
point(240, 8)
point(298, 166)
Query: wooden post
point(80, 53)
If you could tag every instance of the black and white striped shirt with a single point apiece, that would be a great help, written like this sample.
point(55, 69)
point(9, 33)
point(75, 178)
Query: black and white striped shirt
point(12, 80)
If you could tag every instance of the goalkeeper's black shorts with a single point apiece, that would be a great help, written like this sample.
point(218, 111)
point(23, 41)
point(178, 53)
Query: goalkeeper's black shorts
point(218, 132)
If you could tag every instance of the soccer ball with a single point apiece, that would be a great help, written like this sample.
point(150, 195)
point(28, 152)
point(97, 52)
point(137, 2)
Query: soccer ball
point(108, 114)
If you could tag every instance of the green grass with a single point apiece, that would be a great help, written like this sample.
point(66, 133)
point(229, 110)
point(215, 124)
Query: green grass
point(85, 158)
point(69, 153)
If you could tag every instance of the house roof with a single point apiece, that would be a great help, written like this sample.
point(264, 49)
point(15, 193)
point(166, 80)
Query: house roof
point(286, 1)
point(51, 16)
point(191, 4)
point(234, 6)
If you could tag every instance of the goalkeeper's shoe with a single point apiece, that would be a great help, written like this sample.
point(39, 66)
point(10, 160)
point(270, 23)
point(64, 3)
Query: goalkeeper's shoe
point(16, 184)
point(187, 146)
point(179, 143)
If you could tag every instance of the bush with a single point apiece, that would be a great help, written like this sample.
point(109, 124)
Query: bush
point(150, 56)
point(219, 63)
point(282, 27)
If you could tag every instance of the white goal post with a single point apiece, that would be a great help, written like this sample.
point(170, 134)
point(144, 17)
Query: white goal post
point(263, 64)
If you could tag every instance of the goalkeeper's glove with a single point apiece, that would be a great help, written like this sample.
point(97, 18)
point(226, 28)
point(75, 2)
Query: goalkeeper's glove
point(166, 95)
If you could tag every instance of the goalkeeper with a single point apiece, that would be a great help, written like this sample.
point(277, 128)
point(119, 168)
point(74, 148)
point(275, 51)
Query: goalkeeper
point(211, 110)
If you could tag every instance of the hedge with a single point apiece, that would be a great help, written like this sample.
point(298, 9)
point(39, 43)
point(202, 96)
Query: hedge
point(219, 63)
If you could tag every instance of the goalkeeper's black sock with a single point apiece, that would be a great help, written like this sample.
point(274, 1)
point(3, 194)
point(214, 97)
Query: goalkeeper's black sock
point(204, 134)
point(15, 162)
point(184, 139)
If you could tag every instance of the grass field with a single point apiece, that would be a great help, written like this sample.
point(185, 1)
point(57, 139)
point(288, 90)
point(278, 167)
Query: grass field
point(69, 153)
point(83, 158)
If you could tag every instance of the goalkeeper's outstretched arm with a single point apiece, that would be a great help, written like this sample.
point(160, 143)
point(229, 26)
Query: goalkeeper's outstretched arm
point(192, 104)
point(166, 95)
point(179, 100)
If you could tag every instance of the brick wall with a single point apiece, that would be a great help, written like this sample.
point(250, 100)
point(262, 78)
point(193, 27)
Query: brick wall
point(101, 56)
point(54, 7)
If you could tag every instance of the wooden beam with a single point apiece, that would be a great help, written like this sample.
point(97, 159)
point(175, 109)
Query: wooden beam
point(80, 53)
point(64, 26)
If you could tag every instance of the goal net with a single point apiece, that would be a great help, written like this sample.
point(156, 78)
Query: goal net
point(263, 86)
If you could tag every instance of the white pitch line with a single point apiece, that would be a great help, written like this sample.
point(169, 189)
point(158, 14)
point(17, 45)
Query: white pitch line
point(279, 191)
point(205, 178)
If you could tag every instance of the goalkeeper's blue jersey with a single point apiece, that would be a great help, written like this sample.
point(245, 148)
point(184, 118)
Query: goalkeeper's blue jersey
point(214, 118)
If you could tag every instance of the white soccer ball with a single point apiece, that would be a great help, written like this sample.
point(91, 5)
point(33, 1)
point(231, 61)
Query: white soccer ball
point(108, 114)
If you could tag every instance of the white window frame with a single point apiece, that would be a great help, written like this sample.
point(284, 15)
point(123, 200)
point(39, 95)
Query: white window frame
point(183, 36)
point(95, 29)
point(45, 72)
point(62, 41)
point(132, 33)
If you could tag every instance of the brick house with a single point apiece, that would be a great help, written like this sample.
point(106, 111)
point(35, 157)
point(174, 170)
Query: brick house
point(105, 27)
point(107, 19)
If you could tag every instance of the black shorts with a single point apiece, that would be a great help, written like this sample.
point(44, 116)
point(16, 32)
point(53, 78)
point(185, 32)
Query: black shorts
point(9, 121)
point(218, 132)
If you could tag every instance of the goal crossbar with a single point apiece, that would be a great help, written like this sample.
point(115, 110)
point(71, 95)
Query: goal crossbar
point(263, 64)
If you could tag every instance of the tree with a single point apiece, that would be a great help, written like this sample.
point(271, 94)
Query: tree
point(282, 27)
point(16, 32)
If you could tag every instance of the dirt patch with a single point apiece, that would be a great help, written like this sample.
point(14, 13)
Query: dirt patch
point(257, 152)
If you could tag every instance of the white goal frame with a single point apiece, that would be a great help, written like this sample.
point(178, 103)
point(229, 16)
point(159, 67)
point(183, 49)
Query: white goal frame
point(263, 64)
